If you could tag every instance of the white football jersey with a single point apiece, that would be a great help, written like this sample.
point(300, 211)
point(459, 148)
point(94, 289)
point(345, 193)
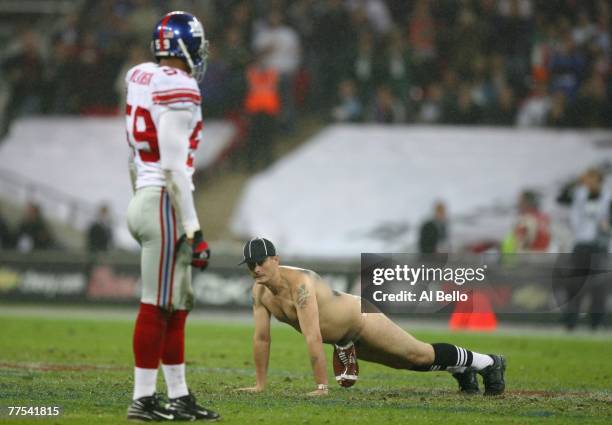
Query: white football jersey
point(151, 90)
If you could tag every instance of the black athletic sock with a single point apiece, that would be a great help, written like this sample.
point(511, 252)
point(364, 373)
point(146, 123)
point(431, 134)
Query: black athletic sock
point(447, 355)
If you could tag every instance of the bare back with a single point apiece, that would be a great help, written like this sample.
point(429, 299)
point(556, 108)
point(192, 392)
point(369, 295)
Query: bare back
point(339, 313)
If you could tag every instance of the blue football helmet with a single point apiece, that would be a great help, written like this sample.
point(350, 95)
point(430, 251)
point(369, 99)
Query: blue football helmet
point(181, 35)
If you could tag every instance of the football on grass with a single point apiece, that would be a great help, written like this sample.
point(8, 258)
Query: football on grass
point(346, 367)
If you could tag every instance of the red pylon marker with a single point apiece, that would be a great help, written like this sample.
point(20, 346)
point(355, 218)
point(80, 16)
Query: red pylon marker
point(475, 314)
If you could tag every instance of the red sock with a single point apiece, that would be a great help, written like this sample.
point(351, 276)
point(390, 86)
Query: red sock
point(149, 336)
point(174, 342)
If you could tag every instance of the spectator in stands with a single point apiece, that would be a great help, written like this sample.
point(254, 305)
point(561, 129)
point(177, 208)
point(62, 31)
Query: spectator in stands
point(262, 105)
point(349, 107)
point(558, 115)
point(471, 37)
point(397, 66)
point(241, 17)
point(365, 68)
point(100, 232)
point(490, 44)
point(590, 221)
point(532, 230)
point(503, 110)
point(498, 72)
point(433, 235)
point(387, 109)
point(534, 111)
point(33, 232)
point(567, 67)
point(60, 95)
point(601, 38)
point(376, 13)
point(279, 45)
point(514, 29)
point(585, 29)
point(485, 92)
point(142, 16)
point(450, 85)
point(238, 56)
point(422, 37)
point(592, 107)
point(463, 109)
point(545, 40)
point(67, 30)
point(431, 109)
point(90, 58)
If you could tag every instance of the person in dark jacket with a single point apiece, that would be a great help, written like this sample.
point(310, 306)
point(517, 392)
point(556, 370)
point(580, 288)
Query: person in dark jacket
point(434, 232)
point(100, 233)
point(33, 232)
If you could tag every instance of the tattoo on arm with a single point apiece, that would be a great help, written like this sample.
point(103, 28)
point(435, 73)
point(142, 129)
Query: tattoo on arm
point(302, 296)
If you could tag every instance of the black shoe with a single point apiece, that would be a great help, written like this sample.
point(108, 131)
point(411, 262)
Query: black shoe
point(186, 406)
point(150, 409)
point(493, 376)
point(468, 384)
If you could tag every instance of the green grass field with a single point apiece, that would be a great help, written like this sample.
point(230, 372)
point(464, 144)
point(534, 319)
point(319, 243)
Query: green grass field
point(85, 366)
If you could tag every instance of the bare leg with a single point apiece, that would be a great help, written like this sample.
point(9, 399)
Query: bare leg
point(382, 341)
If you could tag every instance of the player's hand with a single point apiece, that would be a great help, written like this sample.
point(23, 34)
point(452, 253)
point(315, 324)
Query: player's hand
point(255, 389)
point(318, 393)
point(200, 252)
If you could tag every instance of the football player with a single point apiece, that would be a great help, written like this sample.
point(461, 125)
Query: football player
point(164, 123)
point(300, 298)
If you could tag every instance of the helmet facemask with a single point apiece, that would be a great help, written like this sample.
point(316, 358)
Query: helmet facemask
point(197, 66)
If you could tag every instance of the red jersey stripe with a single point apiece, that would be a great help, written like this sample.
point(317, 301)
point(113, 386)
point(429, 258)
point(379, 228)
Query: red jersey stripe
point(171, 95)
point(168, 102)
point(178, 99)
point(178, 90)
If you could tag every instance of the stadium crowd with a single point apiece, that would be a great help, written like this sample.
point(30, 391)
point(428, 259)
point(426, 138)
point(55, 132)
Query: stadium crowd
point(495, 62)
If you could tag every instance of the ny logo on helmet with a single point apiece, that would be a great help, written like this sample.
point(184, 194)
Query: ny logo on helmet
point(196, 29)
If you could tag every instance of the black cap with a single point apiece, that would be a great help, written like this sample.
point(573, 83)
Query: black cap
point(257, 249)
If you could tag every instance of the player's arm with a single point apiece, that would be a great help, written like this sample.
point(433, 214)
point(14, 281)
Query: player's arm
point(132, 170)
point(305, 300)
point(261, 342)
point(174, 131)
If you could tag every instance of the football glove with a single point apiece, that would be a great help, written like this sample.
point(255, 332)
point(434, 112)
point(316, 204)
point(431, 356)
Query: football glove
point(200, 252)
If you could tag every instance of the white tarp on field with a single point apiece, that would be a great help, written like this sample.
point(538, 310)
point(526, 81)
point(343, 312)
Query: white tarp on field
point(68, 163)
point(367, 188)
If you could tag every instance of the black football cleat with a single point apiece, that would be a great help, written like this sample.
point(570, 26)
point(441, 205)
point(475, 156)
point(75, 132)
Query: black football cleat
point(186, 406)
point(150, 409)
point(468, 384)
point(493, 376)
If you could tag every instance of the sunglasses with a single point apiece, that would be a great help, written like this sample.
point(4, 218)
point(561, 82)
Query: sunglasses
point(251, 264)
